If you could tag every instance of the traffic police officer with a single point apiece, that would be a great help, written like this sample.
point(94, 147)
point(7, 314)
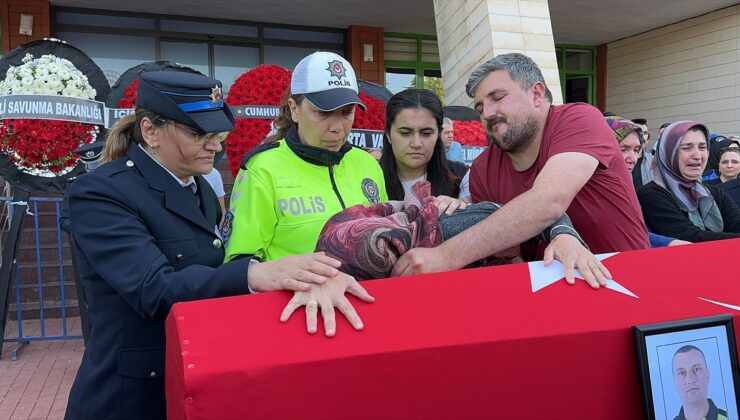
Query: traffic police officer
point(289, 187)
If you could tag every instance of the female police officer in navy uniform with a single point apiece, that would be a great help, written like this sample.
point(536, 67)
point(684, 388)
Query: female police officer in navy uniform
point(144, 225)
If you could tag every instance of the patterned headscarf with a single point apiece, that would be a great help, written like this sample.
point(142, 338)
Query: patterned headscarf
point(691, 195)
point(622, 128)
point(369, 240)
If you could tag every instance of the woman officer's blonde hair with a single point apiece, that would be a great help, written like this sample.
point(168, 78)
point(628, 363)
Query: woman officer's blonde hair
point(126, 131)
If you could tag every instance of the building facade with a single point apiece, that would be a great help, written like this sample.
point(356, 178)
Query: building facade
point(663, 60)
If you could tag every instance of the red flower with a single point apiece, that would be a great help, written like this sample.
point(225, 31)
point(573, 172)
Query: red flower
point(43, 145)
point(469, 133)
point(129, 96)
point(374, 117)
point(263, 85)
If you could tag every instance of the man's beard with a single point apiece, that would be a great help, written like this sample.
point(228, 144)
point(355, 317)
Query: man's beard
point(517, 137)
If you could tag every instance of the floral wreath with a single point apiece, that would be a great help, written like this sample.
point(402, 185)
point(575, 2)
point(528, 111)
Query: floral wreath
point(128, 100)
point(374, 117)
point(469, 133)
point(45, 147)
point(263, 85)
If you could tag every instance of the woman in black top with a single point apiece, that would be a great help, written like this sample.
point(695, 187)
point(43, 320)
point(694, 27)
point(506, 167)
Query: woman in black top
point(729, 165)
point(676, 203)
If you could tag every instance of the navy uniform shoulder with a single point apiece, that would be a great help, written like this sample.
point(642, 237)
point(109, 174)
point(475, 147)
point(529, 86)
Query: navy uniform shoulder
point(113, 167)
point(259, 149)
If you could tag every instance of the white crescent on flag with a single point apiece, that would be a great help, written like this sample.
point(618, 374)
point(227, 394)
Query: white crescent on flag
point(542, 276)
point(726, 305)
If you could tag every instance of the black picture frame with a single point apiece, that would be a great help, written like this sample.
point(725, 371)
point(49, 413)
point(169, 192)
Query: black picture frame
point(656, 344)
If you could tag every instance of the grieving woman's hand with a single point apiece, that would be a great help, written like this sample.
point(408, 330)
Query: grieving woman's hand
point(569, 251)
point(296, 272)
point(448, 205)
point(327, 296)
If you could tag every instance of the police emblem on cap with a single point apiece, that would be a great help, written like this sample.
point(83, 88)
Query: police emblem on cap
point(336, 69)
point(216, 94)
point(370, 189)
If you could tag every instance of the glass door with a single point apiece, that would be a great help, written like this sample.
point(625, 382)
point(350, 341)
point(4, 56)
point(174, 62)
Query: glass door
point(578, 89)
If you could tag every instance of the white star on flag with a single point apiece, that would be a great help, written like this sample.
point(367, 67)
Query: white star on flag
point(542, 276)
point(726, 305)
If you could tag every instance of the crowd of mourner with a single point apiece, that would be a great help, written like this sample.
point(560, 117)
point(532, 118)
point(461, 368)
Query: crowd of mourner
point(314, 215)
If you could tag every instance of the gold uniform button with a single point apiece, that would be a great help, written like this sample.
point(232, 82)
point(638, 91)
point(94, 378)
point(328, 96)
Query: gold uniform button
point(217, 243)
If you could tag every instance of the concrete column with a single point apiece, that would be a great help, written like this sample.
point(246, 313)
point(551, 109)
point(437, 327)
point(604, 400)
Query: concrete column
point(470, 32)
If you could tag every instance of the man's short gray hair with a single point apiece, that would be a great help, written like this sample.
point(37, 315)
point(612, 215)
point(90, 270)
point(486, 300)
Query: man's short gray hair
point(446, 121)
point(522, 69)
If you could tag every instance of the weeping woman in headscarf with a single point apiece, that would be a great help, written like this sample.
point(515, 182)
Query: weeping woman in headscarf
point(676, 203)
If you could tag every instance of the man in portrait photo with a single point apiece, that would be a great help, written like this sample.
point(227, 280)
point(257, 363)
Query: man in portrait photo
point(691, 378)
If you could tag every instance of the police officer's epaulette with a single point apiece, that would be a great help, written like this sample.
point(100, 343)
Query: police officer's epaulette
point(114, 167)
point(259, 149)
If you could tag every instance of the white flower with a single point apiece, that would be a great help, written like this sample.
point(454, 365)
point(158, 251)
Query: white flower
point(46, 75)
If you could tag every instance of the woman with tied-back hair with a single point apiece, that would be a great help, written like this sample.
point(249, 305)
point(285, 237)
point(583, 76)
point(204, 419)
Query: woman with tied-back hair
point(144, 225)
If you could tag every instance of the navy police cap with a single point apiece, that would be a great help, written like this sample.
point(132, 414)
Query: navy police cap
point(190, 99)
point(90, 152)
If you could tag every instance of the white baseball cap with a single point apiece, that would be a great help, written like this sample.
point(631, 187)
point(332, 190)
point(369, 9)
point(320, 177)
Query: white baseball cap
point(327, 80)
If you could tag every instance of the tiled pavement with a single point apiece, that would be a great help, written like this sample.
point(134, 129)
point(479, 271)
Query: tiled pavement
point(36, 386)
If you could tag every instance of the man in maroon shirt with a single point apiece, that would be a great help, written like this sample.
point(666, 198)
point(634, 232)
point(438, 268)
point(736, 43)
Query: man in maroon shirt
point(546, 160)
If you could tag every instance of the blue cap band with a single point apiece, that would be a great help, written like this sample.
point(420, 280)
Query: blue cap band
point(201, 105)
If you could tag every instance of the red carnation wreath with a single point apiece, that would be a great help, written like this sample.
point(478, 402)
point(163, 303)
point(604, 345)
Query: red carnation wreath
point(44, 147)
point(469, 133)
point(128, 100)
point(374, 117)
point(263, 85)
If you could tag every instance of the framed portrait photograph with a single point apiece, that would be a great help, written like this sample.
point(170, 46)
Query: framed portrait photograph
point(689, 369)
